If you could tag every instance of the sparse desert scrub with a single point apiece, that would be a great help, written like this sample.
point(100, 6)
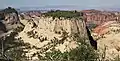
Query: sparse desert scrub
point(82, 53)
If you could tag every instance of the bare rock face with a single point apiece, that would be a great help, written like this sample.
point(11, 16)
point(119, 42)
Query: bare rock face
point(107, 36)
point(99, 17)
point(9, 19)
point(107, 32)
point(47, 33)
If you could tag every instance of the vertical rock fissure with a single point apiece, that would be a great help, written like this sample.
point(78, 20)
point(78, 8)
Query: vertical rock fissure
point(92, 41)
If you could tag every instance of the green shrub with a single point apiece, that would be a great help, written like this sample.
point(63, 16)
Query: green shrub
point(6, 11)
point(19, 29)
point(13, 48)
point(82, 53)
point(9, 10)
point(65, 14)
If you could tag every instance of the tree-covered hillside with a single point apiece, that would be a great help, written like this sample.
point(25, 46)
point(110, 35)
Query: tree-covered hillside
point(65, 14)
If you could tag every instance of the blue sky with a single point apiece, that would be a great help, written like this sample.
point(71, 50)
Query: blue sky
point(41, 3)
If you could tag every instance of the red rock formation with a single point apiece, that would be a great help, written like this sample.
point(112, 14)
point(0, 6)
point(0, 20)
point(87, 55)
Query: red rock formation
point(99, 17)
point(103, 28)
point(100, 30)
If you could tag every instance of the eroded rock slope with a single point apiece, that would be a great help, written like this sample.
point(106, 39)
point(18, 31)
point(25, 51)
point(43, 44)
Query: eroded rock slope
point(47, 33)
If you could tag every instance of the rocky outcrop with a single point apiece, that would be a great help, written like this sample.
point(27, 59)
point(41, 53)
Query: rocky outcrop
point(9, 19)
point(107, 36)
point(47, 33)
point(99, 17)
point(106, 33)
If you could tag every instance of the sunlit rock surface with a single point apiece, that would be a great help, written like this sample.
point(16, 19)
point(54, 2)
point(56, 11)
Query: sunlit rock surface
point(43, 32)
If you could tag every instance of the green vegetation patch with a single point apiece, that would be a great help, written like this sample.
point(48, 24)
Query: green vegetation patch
point(6, 11)
point(82, 53)
point(65, 14)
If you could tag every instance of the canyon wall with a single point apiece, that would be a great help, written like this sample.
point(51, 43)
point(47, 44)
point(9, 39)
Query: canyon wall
point(100, 17)
point(44, 32)
point(106, 33)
